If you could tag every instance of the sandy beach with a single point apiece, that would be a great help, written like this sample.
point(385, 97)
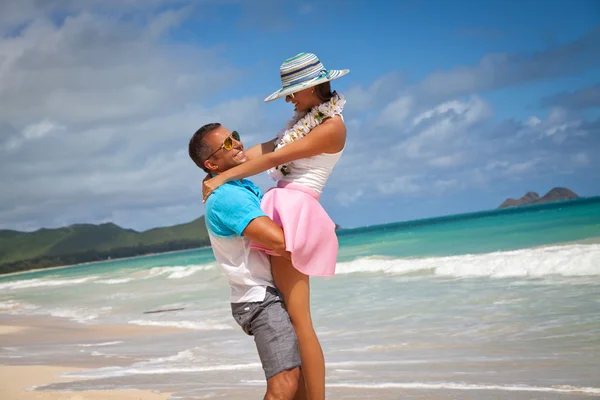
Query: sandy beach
point(22, 330)
point(17, 381)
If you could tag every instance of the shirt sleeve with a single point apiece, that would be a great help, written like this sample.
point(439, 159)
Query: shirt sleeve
point(232, 209)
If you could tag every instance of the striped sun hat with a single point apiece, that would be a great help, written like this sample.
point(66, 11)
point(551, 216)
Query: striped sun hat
point(303, 71)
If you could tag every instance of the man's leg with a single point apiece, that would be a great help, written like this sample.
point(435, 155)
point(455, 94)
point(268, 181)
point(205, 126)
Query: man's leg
point(283, 386)
point(301, 392)
point(277, 347)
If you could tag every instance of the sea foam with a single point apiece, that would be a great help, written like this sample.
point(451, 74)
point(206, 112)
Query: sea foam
point(14, 307)
point(151, 369)
point(466, 386)
point(36, 283)
point(194, 325)
point(77, 314)
point(567, 260)
point(114, 281)
point(178, 272)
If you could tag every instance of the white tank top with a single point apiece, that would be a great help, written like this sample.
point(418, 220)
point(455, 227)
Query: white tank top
point(313, 172)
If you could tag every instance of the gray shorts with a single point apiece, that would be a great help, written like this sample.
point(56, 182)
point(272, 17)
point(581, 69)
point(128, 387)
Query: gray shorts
point(274, 335)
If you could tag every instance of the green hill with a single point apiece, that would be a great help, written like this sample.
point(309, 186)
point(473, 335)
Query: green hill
point(20, 251)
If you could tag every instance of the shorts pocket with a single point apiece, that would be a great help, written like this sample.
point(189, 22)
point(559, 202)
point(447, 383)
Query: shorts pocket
point(243, 314)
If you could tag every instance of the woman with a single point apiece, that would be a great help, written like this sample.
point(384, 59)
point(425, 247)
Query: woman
point(301, 159)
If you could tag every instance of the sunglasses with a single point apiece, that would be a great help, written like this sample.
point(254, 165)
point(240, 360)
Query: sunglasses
point(227, 143)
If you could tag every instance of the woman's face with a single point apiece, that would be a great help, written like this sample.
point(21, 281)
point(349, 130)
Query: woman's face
point(303, 100)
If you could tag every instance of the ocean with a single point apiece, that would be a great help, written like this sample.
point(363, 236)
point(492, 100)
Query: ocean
point(499, 304)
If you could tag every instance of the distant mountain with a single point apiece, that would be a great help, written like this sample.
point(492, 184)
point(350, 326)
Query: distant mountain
point(79, 243)
point(531, 198)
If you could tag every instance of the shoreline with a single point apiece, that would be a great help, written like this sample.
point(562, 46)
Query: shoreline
point(17, 329)
point(591, 240)
point(98, 262)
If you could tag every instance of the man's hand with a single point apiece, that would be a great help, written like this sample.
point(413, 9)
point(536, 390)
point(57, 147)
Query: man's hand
point(266, 232)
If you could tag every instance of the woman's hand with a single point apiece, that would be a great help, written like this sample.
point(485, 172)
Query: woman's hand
point(209, 185)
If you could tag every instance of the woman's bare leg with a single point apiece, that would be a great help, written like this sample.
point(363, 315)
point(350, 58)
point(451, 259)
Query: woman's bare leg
point(295, 289)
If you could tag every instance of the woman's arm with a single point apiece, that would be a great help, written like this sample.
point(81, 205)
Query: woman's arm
point(260, 149)
point(329, 137)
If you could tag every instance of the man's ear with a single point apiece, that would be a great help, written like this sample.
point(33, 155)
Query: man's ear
point(209, 165)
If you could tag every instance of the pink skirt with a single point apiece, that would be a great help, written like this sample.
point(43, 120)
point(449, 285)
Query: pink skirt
point(309, 232)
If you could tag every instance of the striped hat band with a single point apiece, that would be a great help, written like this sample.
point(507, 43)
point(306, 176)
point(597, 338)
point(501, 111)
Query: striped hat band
point(303, 71)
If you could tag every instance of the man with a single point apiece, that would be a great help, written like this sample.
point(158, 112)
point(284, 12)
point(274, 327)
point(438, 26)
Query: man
point(233, 218)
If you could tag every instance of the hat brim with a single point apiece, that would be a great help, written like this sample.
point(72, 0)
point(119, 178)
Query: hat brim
point(331, 75)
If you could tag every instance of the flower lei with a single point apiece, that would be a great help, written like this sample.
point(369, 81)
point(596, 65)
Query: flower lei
point(300, 125)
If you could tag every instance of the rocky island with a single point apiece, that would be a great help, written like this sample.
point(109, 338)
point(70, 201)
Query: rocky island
point(531, 198)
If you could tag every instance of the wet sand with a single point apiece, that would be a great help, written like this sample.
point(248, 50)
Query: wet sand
point(17, 381)
point(21, 330)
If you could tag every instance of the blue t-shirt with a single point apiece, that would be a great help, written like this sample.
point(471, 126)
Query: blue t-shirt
point(229, 210)
point(231, 207)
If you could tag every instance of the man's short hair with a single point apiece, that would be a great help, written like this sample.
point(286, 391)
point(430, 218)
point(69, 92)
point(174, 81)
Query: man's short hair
point(200, 150)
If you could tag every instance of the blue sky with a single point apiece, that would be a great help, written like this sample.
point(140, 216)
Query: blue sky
point(452, 106)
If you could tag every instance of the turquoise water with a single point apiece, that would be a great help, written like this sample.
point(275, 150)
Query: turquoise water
point(481, 232)
point(496, 304)
point(473, 233)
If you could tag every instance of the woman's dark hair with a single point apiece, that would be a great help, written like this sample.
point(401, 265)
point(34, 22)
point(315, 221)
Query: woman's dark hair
point(323, 91)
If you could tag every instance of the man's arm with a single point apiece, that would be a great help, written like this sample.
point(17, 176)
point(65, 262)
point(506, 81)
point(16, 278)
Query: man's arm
point(266, 232)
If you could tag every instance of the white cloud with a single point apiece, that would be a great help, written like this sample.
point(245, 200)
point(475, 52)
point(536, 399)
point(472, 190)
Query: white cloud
point(496, 164)
point(31, 132)
point(452, 147)
point(92, 68)
point(382, 91)
point(559, 125)
point(405, 184)
point(580, 99)
point(112, 171)
point(95, 116)
point(346, 198)
point(447, 160)
point(444, 185)
point(581, 159)
point(395, 113)
point(454, 112)
point(166, 20)
point(499, 70)
point(439, 134)
point(533, 121)
point(421, 157)
point(17, 13)
point(40, 129)
point(520, 168)
point(455, 106)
